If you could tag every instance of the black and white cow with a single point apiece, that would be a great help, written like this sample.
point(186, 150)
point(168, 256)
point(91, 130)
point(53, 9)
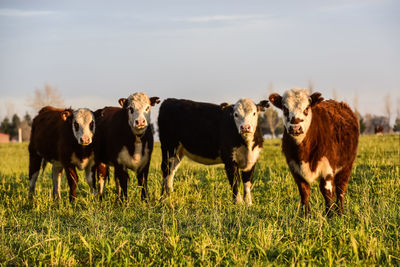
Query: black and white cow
point(125, 141)
point(211, 134)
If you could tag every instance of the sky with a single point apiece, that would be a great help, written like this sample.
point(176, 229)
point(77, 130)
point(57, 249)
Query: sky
point(96, 52)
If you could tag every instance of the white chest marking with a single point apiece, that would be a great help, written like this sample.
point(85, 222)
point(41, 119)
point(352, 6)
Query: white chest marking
point(137, 160)
point(246, 157)
point(328, 186)
point(81, 163)
point(323, 170)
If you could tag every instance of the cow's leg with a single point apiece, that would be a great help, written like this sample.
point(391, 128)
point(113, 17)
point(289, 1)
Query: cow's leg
point(89, 175)
point(34, 169)
point(122, 175)
point(232, 171)
point(142, 180)
point(247, 182)
point(57, 174)
point(341, 182)
point(101, 170)
point(327, 187)
point(171, 159)
point(72, 178)
point(304, 190)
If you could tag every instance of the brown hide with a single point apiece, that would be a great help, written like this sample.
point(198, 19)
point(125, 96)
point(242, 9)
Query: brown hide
point(53, 139)
point(333, 133)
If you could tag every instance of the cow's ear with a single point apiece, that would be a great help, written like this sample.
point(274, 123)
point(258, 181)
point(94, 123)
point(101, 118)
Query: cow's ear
point(262, 105)
point(154, 100)
point(98, 114)
point(122, 101)
point(224, 105)
point(65, 115)
point(315, 98)
point(276, 100)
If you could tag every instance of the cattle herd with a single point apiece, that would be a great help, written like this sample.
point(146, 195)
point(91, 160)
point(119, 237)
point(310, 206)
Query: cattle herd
point(319, 142)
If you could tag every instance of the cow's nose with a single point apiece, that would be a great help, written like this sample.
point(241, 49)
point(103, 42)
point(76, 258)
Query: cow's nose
point(85, 140)
point(245, 128)
point(140, 122)
point(295, 129)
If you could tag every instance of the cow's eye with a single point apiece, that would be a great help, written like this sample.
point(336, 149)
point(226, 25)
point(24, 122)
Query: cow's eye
point(148, 109)
point(76, 126)
point(254, 114)
point(305, 112)
point(91, 125)
point(235, 114)
point(131, 110)
point(285, 111)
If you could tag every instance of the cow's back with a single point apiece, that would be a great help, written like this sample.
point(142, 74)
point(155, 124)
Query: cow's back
point(194, 124)
point(47, 128)
point(333, 134)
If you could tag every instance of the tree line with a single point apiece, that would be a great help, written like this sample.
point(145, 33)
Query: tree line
point(269, 121)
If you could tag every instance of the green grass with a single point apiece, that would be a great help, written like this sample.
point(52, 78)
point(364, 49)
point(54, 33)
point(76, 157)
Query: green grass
point(199, 224)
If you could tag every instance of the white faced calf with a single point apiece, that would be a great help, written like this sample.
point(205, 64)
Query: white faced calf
point(211, 134)
point(319, 142)
point(125, 141)
point(63, 137)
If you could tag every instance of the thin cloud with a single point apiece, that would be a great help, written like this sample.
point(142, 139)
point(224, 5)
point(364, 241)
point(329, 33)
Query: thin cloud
point(24, 13)
point(219, 18)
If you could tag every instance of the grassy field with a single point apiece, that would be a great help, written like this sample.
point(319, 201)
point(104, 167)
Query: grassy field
point(199, 224)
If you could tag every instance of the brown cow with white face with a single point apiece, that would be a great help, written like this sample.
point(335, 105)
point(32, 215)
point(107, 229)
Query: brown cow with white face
point(319, 142)
point(125, 141)
point(64, 138)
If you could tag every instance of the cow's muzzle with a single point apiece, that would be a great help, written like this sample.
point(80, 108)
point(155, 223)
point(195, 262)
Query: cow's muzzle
point(85, 141)
point(140, 124)
point(245, 129)
point(295, 130)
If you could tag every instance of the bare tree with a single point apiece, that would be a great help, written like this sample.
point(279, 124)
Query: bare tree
point(270, 122)
point(10, 109)
point(355, 102)
point(270, 88)
point(310, 86)
point(334, 94)
point(388, 107)
point(47, 96)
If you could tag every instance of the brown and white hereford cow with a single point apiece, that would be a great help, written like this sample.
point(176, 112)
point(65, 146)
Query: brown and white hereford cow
point(319, 142)
point(64, 138)
point(125, 141)
point(211, 134)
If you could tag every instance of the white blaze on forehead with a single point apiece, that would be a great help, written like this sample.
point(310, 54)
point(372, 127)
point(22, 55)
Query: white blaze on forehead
point(83, 117)
point(246, 113)
point(140, 103)
point(296, 101)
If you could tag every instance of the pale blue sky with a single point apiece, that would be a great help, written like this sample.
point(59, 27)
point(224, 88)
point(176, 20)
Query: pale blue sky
point(96, 52)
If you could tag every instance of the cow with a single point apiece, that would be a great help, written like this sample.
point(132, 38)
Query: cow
point(211, 134)
point(378, 129)
point(320, 143)
point(64, 138)
point(125, 141)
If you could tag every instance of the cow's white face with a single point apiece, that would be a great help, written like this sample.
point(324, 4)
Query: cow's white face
point(245, 115)
point(83, 126)
point(138, 106)
point(296, 106)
